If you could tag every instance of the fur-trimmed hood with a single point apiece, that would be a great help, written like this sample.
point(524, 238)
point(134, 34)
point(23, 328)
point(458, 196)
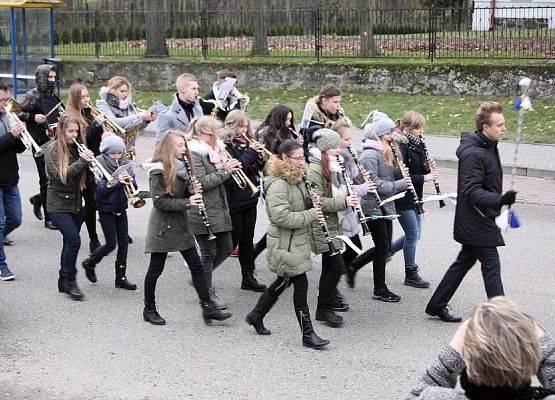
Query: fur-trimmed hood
point(152, 167)
point(195, 146)
point(286, 171)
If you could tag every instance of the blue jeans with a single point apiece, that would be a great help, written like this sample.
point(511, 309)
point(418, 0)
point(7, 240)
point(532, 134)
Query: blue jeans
point(10, 215)
point(69, 225)
point(411, 222)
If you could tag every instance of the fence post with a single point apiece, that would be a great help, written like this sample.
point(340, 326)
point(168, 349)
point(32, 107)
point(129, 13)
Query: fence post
point(204, 29)
point(97, 26)
point(318, 33)
point(431, 34)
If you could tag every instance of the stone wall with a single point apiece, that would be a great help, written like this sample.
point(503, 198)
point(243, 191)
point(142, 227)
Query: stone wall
point(468, 80)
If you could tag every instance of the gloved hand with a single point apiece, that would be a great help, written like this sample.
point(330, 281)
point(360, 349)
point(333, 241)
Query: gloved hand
point(508, 198)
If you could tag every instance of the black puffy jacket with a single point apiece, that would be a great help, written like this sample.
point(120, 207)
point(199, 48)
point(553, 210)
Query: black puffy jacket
point(479, 190)
point(9, 147)
point(414, 158)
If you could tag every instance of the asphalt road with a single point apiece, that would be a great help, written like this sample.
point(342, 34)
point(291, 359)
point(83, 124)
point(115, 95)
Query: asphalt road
point(100, 348)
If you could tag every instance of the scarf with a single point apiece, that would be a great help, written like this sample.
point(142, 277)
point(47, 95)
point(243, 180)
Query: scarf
point(181, 170)
point(525, 392)
point(213, 155)
point(413, 139)
point(111, 164)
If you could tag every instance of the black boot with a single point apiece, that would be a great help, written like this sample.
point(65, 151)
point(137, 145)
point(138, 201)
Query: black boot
point(338, 302)
point(350, 275)
point(256, 316)
point(121, 279)
point(150, 314)
point(249, 282)
point(89, 265)
point(71, 289)
point(413, 278)
point(50, 225)
point(326, 314)
point(94, 244)
point(310, 338)
point(36, 202)
point(60, 285)
point(210, 312)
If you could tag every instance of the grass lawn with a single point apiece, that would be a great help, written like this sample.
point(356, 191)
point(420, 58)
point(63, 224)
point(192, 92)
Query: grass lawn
point(446, 115)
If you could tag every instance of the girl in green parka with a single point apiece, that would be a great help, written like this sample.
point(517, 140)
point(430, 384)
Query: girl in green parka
point(288, 251)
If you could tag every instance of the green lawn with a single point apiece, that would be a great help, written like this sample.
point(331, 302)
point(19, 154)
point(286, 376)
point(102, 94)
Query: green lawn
point(446, 115)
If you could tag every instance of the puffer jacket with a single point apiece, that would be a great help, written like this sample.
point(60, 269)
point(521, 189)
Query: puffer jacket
point(387, 179)
point(213, 191)
point(168, 226)
point(288, 251)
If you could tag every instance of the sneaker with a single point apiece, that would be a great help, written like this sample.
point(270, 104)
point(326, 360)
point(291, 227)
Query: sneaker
point(6, 274)
point(385, 295)
point(235, 252)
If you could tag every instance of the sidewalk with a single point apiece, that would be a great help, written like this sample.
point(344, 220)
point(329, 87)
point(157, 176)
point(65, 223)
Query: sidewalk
point(534, 160)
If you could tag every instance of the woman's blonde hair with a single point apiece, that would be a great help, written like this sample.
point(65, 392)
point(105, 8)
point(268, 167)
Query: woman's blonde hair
point(62, 148)
point(340, 126)
point(411, 120)
point(74, 103)
point(116, 81)
point(233, 122)
point(165, 153)
point(501, 346)
point(204, 124)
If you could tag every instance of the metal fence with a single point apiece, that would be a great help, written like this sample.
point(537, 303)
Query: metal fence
point(514, 33)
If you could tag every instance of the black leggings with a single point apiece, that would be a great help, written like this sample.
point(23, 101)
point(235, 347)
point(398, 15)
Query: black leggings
point(332, 269)
point(259, 247)
point(157, 261)
point(243, 223)
point(43, 182)
point(115, 228)
point(349, 254)
point(300, 289)
point(90, 209)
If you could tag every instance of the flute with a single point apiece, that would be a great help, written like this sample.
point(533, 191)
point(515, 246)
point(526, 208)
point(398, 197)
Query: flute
point(197, 187)
point(401, 164)
point(430, 162)
point(351, 191)
point(321, 220)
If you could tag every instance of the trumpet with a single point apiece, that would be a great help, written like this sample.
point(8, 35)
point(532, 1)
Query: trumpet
point(267, 152)
point(239, 176)
point(25, 136)
point(132, 193)
point(110, 125)
point(96, 168)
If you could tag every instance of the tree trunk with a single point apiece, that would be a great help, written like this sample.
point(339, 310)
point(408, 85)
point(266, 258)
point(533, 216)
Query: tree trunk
point(155, 30)
point(260, 39)
point(365, 23)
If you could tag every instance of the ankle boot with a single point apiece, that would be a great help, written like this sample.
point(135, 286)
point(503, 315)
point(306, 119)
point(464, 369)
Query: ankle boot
point(37, 203)
point(413, 278)
point(150, 314)
point(210, 312)
point(72, 290)
point(249, 282)
point(60, 285)
point(89, 265)
point(121, 279)
point(326, 314)
point(256, 316)
point(310, 338)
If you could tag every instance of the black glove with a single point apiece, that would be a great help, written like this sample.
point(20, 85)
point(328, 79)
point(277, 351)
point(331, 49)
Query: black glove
point(508, 198)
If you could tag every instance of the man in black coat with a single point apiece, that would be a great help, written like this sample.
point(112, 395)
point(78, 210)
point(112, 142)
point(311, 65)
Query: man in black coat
point(479, 201)
point(10, 200)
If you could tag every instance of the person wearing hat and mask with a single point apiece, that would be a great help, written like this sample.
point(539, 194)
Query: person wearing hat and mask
point(377, 158)
point(324, 174)
point(35, 106)
point(112, 204)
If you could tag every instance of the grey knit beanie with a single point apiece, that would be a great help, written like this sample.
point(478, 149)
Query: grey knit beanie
point(377, 124)
point(112, 144)
point(326, 139)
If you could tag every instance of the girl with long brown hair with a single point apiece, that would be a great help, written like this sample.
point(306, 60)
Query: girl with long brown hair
point(66, 167)
point(168, 227)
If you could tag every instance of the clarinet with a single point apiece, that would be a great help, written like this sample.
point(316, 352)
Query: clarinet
point(401, 164)
point(367, 179)
point(351, 190)
point(321, 220)
point(436, 183)
point(201, 209)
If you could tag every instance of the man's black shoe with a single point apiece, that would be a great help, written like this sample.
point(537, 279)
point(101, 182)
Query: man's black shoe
point(444, 314)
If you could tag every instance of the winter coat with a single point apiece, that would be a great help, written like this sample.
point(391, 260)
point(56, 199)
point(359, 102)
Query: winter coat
point(39, 100)
point(213, 193)
point(176, 118)
point(64, 197)
point(9, 147)
point(93, 134)
point(330, 205)
point(440, 379)
point(350, 224)
point(479, 191)
point(318, 120)
point(168, 225)
point(121, 117)
point(110, 199)
point(414, 158)
point(288, 249)
point(241, 199)
point(387, 179)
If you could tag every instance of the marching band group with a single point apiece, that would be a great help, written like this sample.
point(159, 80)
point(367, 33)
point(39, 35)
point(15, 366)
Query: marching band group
point(208, 169)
